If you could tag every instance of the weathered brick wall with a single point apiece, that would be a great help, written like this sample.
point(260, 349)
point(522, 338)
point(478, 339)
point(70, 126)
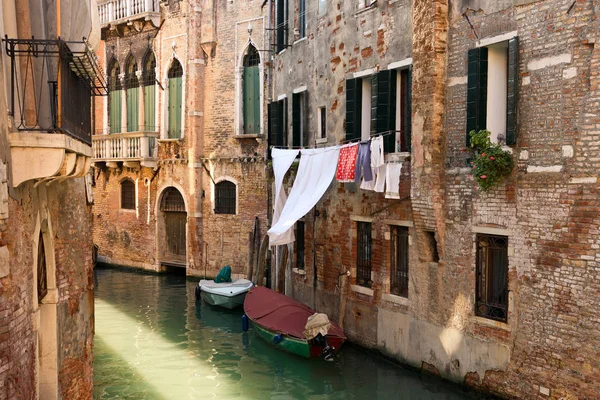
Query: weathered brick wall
point(63, 206)
point(550, 217)
point(345, 41)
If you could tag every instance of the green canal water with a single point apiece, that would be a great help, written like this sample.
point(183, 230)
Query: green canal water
point(153, 341)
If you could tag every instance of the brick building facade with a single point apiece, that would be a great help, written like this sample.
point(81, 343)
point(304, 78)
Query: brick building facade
point(501, 291)
point(46, 270)
point(202, 146)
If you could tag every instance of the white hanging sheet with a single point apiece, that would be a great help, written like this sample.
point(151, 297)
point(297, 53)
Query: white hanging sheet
point(282, 161)
point(316, 171)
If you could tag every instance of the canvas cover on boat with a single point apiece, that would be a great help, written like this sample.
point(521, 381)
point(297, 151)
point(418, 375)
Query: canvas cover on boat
point(317, 323)
point(224, 275)
point(281, 314)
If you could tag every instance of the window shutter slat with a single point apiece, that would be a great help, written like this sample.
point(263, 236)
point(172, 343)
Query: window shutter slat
point(273, 130)
point(512, 92)
point(407, 133)
point(386, 108)
point(476, 90)
point(283, 121)
point(375, 92)
point(353, 108)
point(296, 134)
point(304, 116)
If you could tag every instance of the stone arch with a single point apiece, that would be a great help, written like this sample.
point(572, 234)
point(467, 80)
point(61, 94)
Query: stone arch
point(47, 343)
point(171, 212)
point(173, 64)
point(239, 88)
point(221, 179)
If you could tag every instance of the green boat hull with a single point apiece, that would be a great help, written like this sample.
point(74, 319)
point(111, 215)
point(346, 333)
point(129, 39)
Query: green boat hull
point(289, 344)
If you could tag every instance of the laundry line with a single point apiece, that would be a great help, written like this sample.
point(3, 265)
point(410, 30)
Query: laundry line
point(343, 142)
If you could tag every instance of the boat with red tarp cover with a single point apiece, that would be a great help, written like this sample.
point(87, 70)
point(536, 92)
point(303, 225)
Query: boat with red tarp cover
point(291, 325)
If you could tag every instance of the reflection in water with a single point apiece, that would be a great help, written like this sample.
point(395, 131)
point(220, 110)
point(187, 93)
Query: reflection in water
point(154, 342)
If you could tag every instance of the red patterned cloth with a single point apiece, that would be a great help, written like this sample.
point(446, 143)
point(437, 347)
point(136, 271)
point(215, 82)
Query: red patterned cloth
point(347, 163)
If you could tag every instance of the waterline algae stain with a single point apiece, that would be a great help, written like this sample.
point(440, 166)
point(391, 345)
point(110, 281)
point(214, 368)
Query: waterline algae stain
point(153, 341)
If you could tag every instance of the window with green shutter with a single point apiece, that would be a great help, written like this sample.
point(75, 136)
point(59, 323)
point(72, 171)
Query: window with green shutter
point(476, 90)
point(353, 108)
point(251, 93)
point(132, 95)
point(277, 123)
point(114, 97)
point(513, 85)
point(281, 26)
point(492, 86)
point(175, 93)
point(149, 83)
point(299, 119)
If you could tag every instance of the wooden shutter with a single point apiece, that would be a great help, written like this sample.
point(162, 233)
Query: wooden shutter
point(281, 25)
point(385, 109)
point(283, 121)
point(251, 100)
point(476, 90)
point(513, 85)
point(407, 110)
point(296, 115)
point(150, 108)
point(273, 127)
point(374, 103)
point(304, 117)
point(115, 111)
point(175, 92)
point(353, 108)
point(132, 109)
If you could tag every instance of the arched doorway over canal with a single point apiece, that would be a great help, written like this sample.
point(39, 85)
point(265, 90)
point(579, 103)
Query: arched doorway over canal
point(172, 228)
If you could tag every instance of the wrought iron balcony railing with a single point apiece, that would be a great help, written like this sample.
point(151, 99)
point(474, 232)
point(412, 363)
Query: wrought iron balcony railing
point(130, 146)
point(51, 86)
point(116, 11)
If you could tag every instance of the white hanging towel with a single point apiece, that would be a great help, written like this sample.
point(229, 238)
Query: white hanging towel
point(377, 161)
point(282, 161)
point(316, 171)
point(392, 179)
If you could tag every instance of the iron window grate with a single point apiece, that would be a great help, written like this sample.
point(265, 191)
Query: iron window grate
point(399, 261)
point(363, 254)
point(172, 201)
point(225, 198)
point(492, 277)
point(127, 195)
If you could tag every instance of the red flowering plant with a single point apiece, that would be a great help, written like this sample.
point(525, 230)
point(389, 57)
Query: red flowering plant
point(490, 163)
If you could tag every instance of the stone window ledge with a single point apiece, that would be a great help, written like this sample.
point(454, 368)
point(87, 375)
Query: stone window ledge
point(362, 290)
point(403, 301)
point(302, 39)
point(490, 323)
point(248, 136)
point(321, 140)
point(298, 271)
point(396, 157)
point(127, 210)
point(367, 9)
point(169, 140)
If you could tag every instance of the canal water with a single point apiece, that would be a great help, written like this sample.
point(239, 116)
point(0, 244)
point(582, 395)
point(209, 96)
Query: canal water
point(153, 341)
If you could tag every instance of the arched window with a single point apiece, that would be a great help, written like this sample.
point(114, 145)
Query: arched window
point(225, 197)
point(42, 276)
point(132, 84)
point(127, 195)
point(251, 93)
point(114, 96)
point(172, 201)
point(149, 83)
point(175, 100)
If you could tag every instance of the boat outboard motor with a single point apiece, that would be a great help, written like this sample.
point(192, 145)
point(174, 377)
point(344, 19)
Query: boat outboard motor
point(197, 293)
point(328, 352)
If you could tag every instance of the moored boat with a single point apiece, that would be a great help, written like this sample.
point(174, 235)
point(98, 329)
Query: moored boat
point(292, 326)
point(227, 294)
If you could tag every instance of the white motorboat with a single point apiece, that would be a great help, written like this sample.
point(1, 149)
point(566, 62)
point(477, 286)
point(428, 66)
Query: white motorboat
point(229, 294)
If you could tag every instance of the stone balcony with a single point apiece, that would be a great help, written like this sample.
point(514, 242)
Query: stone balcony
point(131, 149)
point(118, 12)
